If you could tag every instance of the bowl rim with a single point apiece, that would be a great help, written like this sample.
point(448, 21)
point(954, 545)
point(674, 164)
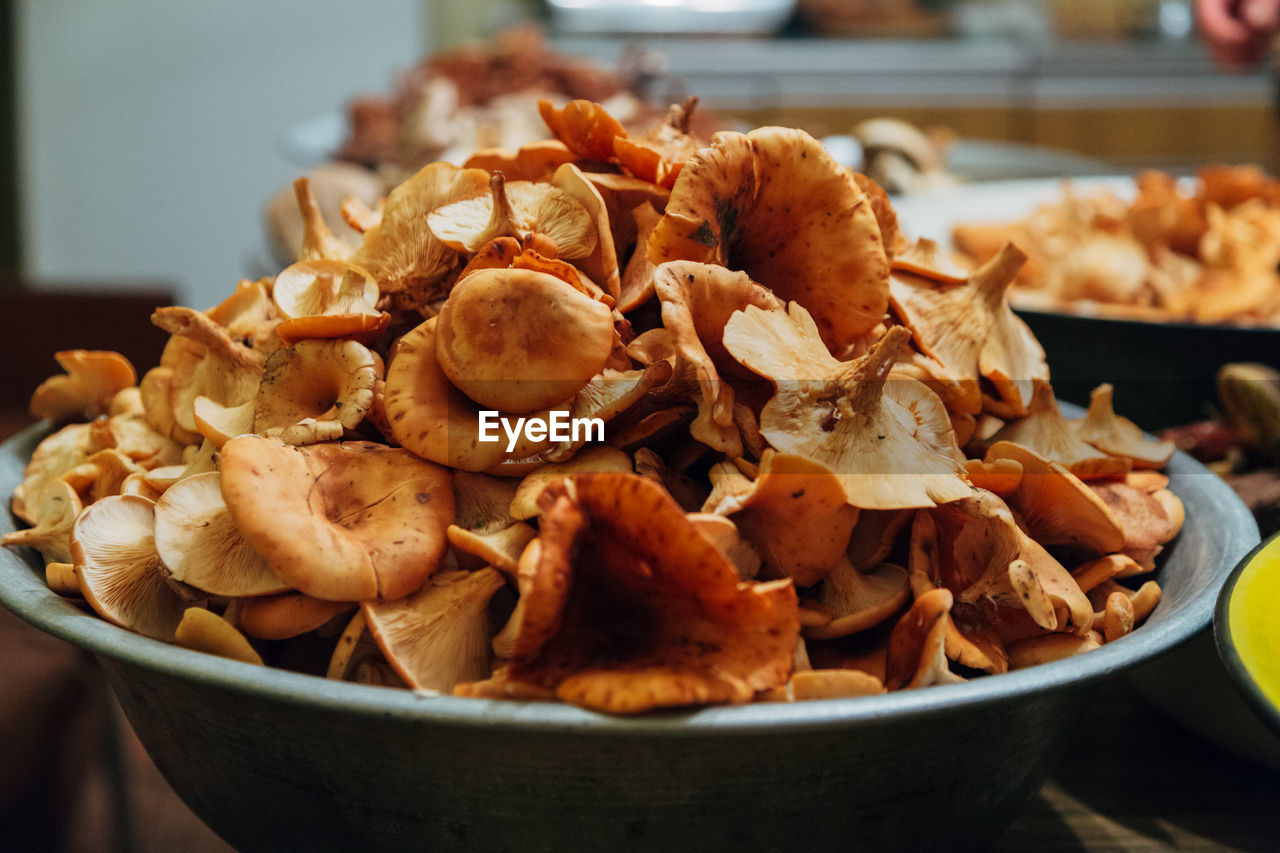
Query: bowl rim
point(1238, 672)
point(23, 590)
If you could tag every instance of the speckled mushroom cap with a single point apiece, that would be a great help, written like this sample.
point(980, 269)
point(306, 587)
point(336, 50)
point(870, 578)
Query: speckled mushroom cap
point(342, 521)
point(773, 204)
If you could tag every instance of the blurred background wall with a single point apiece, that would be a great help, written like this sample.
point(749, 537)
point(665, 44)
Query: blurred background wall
point(146, 135)
point(148, 131)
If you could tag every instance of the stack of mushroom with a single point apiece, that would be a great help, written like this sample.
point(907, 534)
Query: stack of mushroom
point(814, 461)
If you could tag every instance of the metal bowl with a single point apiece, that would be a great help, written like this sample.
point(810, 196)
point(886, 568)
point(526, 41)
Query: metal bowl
point(277, 760)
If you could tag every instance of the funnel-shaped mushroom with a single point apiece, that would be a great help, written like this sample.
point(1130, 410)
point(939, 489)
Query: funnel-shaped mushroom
point(219, 367)
point(400, 251)
point(342, 522)
point(114, 552)
point(585, 127)
point(838, 414)
point(315, 391)
point(1045, 432)
point(57, 510)
point(56, 454)
point(201, 546)
point(971, 331)
point(85, 390)
point(651, 614)
point(697, 302)
point(979, 552)
point(1118, 436)
point(530, 162)
point(439, 636)
point(289, 614)
point(773, 204)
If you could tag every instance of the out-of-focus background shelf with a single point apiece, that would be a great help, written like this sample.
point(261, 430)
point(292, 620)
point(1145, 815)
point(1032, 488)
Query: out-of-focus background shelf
point(1136, 103)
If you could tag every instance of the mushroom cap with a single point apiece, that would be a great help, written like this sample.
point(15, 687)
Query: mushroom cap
point(434, 419)
point(201, 546)
point(400, 251)
point(343, 522)
point(585, 127)
point(516, 209)
point(325, 298)
point(636, 285)
point(773, 204)
point(797, 516)
point(113, 549)
point(92, 379)
point(219, 424)
point(315, 390)
point(288, 614)
point(917, 645)
point(323, 286)
point(1119, 436)
point(56, 511)
point(438, 636)
point(600, 262)
point(1055, 505)
point(520, 341)
point(1142, 517)
point(206, 631)
point(655, 617)
point(530, 162)
point(57, 453)
point(925, 258)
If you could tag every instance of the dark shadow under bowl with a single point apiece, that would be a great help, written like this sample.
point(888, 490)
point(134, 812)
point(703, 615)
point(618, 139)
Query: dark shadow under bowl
point(275, 760)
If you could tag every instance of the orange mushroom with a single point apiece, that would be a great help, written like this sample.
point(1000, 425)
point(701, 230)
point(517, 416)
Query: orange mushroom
point(838, 413)
point(773, 204)
point(655, 617)
point(343, 522)
point(1118, 436)
point(92, 380)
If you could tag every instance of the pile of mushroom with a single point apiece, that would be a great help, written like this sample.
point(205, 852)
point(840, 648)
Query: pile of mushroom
point(1202, 251)
point(826, 464)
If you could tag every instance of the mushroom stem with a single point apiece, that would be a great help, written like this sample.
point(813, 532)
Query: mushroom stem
point(203, 329)
point(861, 382)
point(680, 115)
point(993, 278)
point(503, 221)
